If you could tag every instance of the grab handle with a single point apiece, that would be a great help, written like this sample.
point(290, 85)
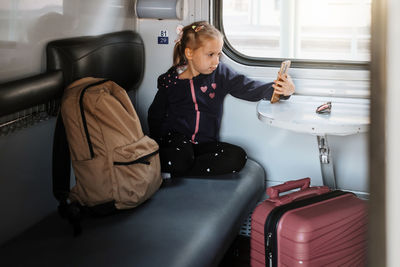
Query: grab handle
point(274, 191)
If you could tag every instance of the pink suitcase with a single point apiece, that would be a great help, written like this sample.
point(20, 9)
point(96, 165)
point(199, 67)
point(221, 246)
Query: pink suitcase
point(311, 227)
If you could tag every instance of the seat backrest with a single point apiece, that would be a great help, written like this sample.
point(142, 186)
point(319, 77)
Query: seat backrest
point(117, 56)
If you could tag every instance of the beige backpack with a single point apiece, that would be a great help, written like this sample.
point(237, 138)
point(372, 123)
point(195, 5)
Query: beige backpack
point(113, 161)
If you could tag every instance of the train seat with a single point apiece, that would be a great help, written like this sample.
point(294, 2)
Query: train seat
point(189, 221)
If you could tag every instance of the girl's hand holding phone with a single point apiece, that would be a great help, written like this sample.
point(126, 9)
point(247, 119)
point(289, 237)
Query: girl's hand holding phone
point(284, 85)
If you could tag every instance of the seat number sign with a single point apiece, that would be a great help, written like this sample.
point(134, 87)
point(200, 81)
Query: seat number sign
point(163, 37)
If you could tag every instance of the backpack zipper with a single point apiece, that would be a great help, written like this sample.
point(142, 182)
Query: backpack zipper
point(139, 160)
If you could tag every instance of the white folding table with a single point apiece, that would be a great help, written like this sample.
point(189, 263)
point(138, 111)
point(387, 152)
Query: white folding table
point(348, 116)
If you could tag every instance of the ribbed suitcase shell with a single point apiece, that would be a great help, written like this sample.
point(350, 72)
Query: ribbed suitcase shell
point(331, 232)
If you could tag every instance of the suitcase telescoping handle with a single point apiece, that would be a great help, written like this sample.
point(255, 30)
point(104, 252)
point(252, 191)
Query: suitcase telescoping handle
point(305, 191)
point(274, 191)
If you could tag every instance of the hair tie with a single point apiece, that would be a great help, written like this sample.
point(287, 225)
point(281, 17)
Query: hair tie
point(179, 32)
point(197, 28)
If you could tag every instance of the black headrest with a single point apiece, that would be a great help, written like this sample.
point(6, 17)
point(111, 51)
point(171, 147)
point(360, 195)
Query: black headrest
point(117, 56)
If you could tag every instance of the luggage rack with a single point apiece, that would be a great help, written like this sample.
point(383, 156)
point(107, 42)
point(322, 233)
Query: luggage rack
point(27, 117)
point(298, 114)
point(29, 101)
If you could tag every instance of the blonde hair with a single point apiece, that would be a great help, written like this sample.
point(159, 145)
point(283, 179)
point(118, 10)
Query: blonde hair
point(192, 37)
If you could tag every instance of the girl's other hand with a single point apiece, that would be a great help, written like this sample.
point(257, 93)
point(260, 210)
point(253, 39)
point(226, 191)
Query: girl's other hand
point(284, 85)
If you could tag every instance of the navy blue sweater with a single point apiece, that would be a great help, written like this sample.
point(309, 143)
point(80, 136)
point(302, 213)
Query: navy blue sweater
point(194, 107)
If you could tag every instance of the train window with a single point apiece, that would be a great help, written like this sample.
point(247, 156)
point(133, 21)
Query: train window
point(303, 30)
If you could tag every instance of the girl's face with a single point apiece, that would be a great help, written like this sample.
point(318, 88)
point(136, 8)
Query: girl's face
point(205, 59)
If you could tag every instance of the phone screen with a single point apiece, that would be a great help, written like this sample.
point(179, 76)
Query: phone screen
point(284, 69)
point(285, 66)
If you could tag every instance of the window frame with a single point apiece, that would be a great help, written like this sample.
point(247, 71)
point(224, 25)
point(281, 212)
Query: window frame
point(231, 52)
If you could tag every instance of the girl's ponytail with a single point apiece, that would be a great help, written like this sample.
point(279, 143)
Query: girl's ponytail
point(179, 54)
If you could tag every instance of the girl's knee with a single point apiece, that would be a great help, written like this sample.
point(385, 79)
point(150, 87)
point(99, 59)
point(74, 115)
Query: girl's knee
point(237, 156)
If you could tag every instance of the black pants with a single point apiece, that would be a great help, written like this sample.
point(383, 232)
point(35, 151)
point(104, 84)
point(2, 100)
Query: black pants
point(180, 157)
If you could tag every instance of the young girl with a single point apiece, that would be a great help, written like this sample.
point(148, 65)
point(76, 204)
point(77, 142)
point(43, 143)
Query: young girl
point(185, 115)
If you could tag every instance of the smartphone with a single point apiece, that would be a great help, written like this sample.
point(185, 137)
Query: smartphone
point(283, 70)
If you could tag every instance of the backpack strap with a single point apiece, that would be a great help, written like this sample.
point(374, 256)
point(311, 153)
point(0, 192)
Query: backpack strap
point(83, 116)
point(61, 177)
point(61, 162)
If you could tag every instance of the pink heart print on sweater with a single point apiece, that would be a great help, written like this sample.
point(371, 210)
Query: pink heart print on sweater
point(214, 85)
point(211, 95)
point(203, 88)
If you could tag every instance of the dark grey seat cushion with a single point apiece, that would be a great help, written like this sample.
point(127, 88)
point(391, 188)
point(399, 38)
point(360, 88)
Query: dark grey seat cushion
point(189, 222)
